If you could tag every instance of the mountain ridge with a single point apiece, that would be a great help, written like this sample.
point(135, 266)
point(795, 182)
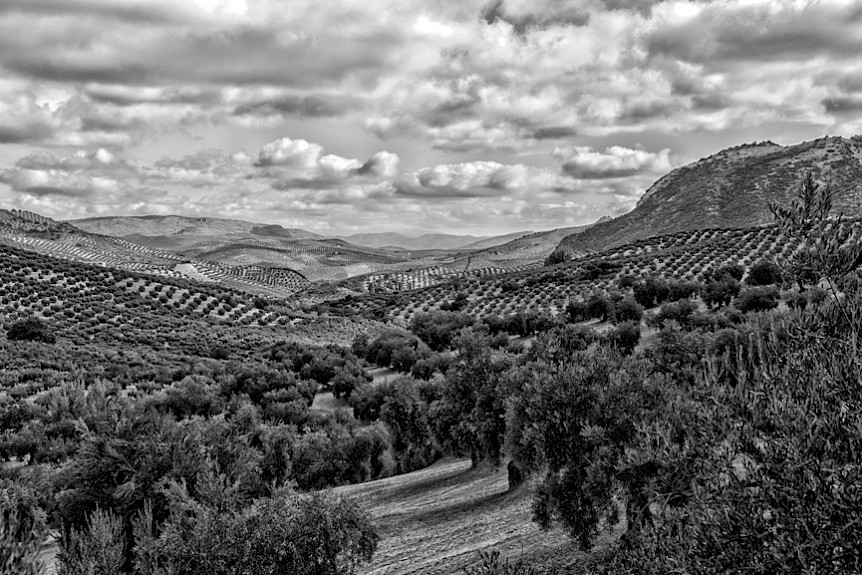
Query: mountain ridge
point(732, 188)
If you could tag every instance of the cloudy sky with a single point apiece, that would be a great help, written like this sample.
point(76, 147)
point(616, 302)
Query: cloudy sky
point(461, 116)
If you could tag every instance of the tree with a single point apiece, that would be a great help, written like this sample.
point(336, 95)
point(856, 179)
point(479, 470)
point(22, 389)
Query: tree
point(828, 250)
point(764, 273)
point(627, 310)
point(651, 291)
point(30, 329)
point(570, 420)
point(287, 534)
point(598, 306)
point(468, 419)
point(757, 299)
point(720, 292)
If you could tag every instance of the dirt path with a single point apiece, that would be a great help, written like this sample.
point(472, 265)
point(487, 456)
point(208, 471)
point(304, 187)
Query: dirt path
point(436, 520)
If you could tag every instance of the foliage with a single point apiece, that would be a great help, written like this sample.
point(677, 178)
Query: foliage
point(97, 549)
point(438, 328)
point(22, 530)
point(757, 299)
point(625, 337)
point(468, 417)
point(764, 273)
point(285, 534)
point(627, 310)
point(651, 291)
point(720, 292)
point(30, 329)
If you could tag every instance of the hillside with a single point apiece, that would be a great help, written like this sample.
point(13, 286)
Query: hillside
point(232, 243)
point(61, 240)
point(683, 255)
point(182, 226)
point(732, 188)
point(525, 252)
point(422, 242)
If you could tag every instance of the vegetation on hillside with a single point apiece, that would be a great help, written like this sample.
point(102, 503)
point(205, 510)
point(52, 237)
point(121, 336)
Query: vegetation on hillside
point(700, 422)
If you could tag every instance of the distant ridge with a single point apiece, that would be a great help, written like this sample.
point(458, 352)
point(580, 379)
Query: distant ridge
point(156, 226)
point(427, 241)
point(732, 188)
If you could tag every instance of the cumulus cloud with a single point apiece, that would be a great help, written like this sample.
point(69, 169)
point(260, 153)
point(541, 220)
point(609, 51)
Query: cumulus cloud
point(583, 162)
point(469, 98)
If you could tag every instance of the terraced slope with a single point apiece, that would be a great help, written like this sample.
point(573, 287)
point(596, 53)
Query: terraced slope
point(62, 240)
point(732, 188)
point(435, 521)
point(682, 255)
point(82, 302)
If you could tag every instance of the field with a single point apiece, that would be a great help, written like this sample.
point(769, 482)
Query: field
point(437, 520)
point(60, 240)
point(682, 255)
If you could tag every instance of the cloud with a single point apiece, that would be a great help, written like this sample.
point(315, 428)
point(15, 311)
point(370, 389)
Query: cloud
point(468, 98)
point(585, 163)
point(97, 175)
point(382, 164)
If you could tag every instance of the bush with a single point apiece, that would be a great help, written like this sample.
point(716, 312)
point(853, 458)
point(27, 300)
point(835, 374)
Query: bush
point(720, 292)
point(651, 291)
point(764, 273)
point(625, 337)
point(598, 306)
point(679, 312)
point(98, 548)
point(30, 329)
point(627, 310)
point(757, 299)
point(287, 534)
point(22, 530)
point(733, 271)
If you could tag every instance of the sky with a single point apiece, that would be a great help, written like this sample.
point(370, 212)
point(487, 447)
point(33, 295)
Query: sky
point(458, 116)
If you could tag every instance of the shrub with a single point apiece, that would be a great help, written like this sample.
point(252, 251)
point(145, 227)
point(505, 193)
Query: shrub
point(22, 530)
point(651, 291)
point(30, 329)
point(625, 337)
point(627, 310)
point(288, 534)
point(734, 271)
point(720, 292)
point(764, 273)
point(598, 306)
point(680, 312)
point(757, 299)
point(98, 548)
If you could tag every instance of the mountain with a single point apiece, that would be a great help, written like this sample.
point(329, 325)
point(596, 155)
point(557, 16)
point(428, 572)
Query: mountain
point(423, 242)
point(732, 188)
point(184, 228)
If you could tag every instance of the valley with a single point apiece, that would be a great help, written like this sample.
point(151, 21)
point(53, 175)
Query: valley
point(567, 400)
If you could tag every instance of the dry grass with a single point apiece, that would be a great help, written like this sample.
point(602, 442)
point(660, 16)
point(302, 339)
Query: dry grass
point(437, 520)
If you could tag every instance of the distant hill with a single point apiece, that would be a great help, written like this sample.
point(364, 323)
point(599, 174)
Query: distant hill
point(35, 233)
point(526, 252)
point(732, 188)
point(423, 242)
point(239, 243)
point(122, 226)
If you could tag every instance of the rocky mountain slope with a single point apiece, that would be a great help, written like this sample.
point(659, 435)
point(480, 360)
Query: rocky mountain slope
point(732, 188)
